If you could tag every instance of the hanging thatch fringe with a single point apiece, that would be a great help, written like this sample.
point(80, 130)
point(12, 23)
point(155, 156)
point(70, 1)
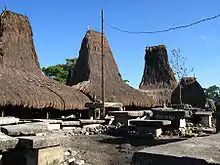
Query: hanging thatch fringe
point(21, 81)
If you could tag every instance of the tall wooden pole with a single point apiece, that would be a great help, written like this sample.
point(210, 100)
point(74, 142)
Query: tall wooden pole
point(103, 68)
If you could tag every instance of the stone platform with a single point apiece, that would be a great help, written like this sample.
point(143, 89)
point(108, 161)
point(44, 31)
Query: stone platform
point(201, 150)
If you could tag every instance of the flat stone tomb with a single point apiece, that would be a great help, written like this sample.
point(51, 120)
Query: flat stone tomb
point(177, 117)
point(146, 127)
point(200, 150)
point(205, 118)
point(34, 150)
point(123, 116)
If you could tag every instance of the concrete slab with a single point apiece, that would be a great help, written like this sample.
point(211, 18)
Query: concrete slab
point(7, 142)
point(36, 142)
point(201, 150)
point(149, 123)
point(25, 129)
point(8, 120)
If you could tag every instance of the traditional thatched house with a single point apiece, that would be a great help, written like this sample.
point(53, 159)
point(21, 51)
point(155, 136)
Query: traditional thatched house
point(22, 84)
point(191, 93)
point(86, 75)
point(158, 79)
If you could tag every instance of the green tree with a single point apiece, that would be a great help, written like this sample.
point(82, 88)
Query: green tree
point(60, 72)
point(212, 92)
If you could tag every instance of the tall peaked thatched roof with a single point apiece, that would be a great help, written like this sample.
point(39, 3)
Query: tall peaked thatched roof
point(86, 75)
point(158, 79)
point(157, 71)
point(191, 93)
point(21, 81)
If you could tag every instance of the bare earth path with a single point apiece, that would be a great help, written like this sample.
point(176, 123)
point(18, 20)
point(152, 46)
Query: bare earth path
point(110, 150)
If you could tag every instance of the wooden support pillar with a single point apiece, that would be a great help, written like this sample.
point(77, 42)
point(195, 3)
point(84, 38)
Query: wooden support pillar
point(48, 115)
point(2, 113)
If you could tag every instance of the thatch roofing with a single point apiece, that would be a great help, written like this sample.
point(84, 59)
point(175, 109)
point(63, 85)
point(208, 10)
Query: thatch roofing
point(191, 93)
point(158, 78)
point(86, 75)
point(21, 81)
point(157, 71)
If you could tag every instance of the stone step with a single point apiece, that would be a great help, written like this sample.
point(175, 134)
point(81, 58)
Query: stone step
point(149, 123)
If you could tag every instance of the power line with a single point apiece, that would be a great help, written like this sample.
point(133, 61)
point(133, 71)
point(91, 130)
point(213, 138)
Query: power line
point(165, 30)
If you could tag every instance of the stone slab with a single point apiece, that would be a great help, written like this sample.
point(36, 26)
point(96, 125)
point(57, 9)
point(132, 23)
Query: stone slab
point(203, 113)
point(149, 123)
point(87, 121)
point(25, 129)
point(107, 105)
point(7, 142)
point(170, 114)
point(53, 126)
point(127, 113)
point(70, 123)
point(50, 121)
point(200, 150)
point(8, 120)
point(36, 142)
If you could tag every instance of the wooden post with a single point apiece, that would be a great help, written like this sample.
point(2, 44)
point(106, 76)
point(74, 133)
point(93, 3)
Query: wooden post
point(3, 114)
point(103, 67)
point(48, 115)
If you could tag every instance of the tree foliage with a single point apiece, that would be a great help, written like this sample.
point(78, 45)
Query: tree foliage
point(60, 72)
point(213, 92)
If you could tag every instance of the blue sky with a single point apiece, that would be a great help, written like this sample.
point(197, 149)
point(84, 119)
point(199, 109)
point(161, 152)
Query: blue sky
point(59, 26)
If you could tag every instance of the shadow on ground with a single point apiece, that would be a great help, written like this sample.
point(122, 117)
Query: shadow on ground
point(139, 141)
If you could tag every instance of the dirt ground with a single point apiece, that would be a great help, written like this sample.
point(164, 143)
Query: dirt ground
point(111, 150)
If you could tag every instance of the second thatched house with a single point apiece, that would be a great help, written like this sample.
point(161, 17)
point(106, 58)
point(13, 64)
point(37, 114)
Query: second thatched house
point(191, 93)
point(86, 75)
point(23, 86)
point(158, 79)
